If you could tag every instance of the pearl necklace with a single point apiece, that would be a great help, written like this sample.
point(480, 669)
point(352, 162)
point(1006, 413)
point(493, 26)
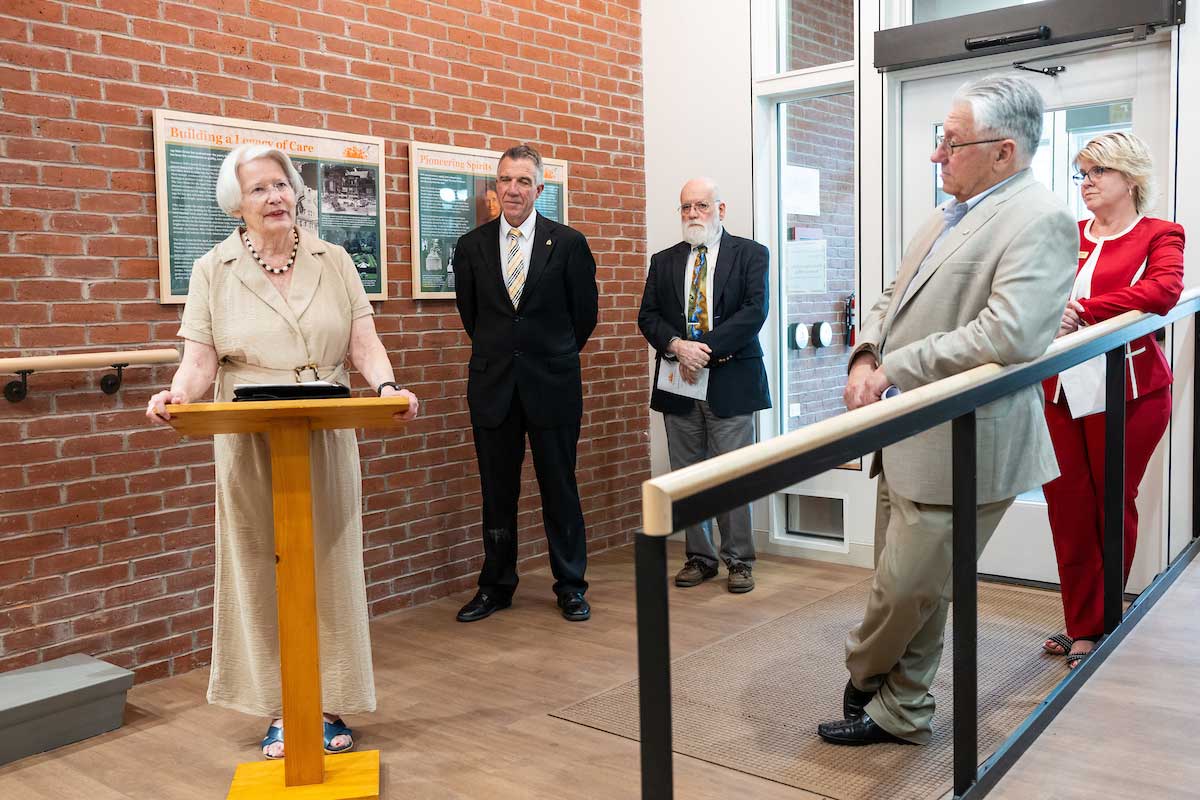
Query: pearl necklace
point(265, 265)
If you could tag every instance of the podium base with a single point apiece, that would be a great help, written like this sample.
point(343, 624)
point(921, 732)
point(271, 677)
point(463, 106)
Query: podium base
point(348, 776)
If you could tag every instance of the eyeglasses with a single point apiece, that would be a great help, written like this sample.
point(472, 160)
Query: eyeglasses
point(1092, 175)
point(952, 146)
point(701, 207)
point(282, 187)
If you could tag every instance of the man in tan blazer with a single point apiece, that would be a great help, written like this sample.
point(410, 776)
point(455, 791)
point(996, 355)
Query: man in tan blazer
point(984, 280)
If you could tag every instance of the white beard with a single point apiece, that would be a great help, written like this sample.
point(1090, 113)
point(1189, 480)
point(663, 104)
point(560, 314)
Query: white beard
point(697, 233)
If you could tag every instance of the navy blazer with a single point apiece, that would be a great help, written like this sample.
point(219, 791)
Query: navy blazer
point(534, 348)
point(737, 381)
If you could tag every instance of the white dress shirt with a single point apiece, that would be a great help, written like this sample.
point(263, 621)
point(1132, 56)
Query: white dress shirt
point(526, 242)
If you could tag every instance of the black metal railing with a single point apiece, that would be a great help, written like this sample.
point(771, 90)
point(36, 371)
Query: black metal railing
point(673, 501)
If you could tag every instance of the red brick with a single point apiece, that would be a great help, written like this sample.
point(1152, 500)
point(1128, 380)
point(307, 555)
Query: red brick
point(31, 104)
point(32, 56)
point(62, 563)
point(20, 221)
point(132, 592)
point(69, 130)
point(32, 638)
point(31, 591)
point(106, 620)
point(65, 516)
point(67, 38)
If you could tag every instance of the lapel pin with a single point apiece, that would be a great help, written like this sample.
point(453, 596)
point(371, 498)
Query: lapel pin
point(547, 243)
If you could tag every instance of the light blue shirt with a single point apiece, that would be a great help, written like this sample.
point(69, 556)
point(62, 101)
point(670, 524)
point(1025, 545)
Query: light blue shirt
point(952, 214)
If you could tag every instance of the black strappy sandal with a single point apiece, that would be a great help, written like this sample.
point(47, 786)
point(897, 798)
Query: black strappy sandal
point(1060, 640)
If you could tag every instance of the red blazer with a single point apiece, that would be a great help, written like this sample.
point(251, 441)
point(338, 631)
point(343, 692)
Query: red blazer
point(1159, 244)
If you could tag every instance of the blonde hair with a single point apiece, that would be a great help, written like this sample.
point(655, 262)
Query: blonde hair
point(1127, 154)
point(229, 188)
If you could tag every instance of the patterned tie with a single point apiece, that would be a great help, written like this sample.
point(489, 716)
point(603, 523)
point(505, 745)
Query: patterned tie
point(514, 273)
point(697, 321)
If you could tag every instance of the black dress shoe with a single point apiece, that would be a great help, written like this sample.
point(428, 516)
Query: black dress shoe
point(854, 732)
point(854, 700)
point(574, 607)
point(483, 604)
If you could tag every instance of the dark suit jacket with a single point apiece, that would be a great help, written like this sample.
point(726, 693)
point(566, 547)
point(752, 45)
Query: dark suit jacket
point(737, 381)
point(533, 349)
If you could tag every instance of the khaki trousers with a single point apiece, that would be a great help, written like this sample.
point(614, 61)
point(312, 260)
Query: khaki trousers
point(896, 650)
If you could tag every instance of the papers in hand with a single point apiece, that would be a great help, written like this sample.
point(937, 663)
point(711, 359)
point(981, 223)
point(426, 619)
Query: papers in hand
point(670, 379)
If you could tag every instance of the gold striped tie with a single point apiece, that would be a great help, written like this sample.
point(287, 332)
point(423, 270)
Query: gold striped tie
point(514, 273)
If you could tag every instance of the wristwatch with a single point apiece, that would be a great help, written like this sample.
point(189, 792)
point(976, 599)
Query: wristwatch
point(393, 384)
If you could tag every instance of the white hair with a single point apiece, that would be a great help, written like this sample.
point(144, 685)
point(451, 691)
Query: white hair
point(229, 188)
point(1007, 106)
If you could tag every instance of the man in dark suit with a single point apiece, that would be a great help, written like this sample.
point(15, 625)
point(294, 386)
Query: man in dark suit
point(526, 291)
point(704, 304)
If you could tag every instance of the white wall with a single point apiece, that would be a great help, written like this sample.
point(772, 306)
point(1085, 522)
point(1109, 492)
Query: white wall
point(697, 115)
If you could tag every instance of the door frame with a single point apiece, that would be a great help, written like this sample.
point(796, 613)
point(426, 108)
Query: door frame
point(1178, 347)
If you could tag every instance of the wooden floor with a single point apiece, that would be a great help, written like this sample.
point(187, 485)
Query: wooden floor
point(463, 709)
point(1131, 730)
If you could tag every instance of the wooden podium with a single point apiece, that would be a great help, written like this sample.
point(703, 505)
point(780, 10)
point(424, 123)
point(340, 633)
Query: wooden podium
point(305, 772)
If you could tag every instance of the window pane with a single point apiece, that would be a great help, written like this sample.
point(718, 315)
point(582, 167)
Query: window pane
point(817, 239)
point(816, 33)
point(929, 10)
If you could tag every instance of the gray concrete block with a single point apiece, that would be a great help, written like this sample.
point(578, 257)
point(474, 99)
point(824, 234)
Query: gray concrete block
point(62, 701)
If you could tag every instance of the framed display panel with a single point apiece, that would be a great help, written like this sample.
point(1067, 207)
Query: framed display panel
point(342, 203)
point(454, 191)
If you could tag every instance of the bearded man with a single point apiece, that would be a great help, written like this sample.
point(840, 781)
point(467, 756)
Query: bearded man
point(704, 303)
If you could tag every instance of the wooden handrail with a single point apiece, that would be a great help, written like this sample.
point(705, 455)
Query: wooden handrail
point(74, 361)
point(24, 366)
point(661, 493)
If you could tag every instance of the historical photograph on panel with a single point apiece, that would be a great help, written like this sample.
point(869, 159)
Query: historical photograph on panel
point(349, 190)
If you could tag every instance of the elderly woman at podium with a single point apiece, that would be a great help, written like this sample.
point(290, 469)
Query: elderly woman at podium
point(273, 304)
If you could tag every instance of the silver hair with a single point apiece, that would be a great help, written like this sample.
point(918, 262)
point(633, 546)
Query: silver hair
point(1007, 106)
point(229, 188)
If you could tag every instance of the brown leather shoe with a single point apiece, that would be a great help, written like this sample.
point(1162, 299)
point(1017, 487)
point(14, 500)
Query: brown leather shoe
point(695, 572)
point(741, 579)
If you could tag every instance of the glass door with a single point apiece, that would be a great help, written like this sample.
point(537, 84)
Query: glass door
point(1120, 89)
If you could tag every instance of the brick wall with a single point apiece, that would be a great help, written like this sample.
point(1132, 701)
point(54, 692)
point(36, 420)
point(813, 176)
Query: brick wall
point(106, 523)
point(820, 136)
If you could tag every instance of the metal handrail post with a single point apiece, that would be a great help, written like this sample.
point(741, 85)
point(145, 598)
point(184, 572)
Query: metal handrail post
point(1195, 432)
point(1113, 548)
point(654, 666)
point(965, 598)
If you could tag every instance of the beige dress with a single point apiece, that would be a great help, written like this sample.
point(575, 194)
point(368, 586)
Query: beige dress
point(262, 338)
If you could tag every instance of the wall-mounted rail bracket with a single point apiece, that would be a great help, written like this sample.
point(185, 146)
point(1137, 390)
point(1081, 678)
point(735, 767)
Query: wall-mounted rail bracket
point(16, 391)
point(110, 383)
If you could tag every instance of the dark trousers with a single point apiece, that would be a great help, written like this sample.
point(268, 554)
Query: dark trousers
point(501, 451)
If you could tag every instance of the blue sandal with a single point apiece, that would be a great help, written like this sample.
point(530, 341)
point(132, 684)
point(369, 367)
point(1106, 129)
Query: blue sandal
point(332, 731)
point(274, 734)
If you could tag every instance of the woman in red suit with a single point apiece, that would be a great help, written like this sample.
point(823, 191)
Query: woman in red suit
point(1127, 262)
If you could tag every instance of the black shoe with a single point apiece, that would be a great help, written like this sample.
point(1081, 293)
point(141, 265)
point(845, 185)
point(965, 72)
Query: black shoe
point(574, 607)
point(483, 604)
point(854, 700)
point(855, 732)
